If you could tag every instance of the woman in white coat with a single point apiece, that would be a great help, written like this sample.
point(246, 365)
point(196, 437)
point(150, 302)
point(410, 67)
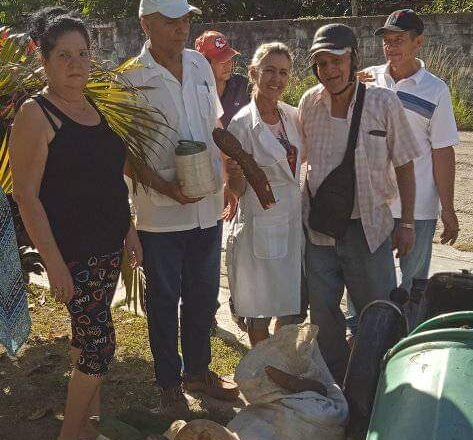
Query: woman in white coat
point(264, 247)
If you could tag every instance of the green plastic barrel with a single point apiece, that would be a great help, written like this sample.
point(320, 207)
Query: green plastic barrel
point(448, 320)
point(425, 391)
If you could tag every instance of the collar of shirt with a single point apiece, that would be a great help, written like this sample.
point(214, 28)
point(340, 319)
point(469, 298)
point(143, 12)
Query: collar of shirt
point(416, 78)
point(230, 85)
point(153, 68)
point(256, 119)
point(325, 98)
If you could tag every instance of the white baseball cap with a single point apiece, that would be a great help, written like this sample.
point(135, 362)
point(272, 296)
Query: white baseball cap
point(335, 51)
point(168, 8)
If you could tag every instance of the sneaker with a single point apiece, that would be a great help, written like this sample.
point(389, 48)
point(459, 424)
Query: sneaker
point(212, 385)
point(172, 403)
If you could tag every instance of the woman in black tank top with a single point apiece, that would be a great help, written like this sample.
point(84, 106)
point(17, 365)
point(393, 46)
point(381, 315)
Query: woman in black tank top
point(68, 168)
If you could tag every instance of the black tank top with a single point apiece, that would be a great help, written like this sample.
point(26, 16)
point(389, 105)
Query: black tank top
point(83, 189)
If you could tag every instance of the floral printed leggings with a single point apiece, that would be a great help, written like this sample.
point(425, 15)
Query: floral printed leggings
point(95, 280)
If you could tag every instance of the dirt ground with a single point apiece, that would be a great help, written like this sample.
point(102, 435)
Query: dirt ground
point(464, 191)
point(33, 387)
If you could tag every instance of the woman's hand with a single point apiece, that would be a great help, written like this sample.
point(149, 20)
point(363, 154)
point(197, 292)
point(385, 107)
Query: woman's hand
point(233, 170)
point(230, 205)
point(235, 179)
point(60, 282)
point(133, 248)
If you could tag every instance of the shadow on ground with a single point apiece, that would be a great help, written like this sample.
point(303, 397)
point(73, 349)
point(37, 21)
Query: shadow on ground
point(33, 390)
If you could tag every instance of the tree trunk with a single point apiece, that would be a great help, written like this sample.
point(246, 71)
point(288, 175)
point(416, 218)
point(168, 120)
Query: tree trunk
point(354, 7)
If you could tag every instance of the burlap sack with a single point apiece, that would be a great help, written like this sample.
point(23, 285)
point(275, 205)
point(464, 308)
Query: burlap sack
point(276, 414)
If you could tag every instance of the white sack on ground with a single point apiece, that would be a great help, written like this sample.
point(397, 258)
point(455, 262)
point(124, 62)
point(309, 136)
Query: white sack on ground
point(275, 413)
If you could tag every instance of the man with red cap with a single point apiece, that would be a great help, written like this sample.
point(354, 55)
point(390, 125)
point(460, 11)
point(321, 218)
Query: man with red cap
point(232, 88)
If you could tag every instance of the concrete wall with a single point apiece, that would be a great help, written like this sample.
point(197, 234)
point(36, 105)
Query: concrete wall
point(121, 40)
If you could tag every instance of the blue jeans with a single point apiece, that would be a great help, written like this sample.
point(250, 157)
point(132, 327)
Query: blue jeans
point(367, 277)
point(184, 267)
point(415, 266)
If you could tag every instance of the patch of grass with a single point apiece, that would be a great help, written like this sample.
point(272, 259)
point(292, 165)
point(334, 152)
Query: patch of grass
point(297, 87)
point(38, 378)
point(455, 69)
point(448, 6)
point(463, 111)
point(226, 356)
point(51, 320)
point(464, 247)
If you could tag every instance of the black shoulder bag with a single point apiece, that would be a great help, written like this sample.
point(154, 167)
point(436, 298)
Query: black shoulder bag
point(332, 205)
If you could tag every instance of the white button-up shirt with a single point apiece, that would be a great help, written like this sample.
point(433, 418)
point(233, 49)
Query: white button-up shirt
point(426, 101)
point(192, 110)
point(384, 140)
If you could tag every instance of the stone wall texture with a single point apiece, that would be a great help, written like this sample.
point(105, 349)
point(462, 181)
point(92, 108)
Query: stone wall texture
point(452, 32)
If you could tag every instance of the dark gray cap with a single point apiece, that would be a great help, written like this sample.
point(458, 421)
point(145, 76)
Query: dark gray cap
point(402, 21)
point(335, 38)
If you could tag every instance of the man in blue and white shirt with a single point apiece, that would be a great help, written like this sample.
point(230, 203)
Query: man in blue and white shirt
point(428, 107)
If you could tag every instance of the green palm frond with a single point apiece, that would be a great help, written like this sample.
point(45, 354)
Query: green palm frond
point(135, 283)
point(129, 115)
point(123, 106)
point(5, 173)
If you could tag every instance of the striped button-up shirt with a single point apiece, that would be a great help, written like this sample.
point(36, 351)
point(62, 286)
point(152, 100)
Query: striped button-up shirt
point(385, 140)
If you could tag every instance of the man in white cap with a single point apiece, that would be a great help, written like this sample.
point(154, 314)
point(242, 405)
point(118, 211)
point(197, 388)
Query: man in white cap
point(181, 236)
point(348, 189)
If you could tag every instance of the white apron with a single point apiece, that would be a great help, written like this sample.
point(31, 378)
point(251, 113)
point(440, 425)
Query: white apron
point(264, 247)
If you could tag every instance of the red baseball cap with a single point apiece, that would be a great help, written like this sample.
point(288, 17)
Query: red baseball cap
point(214, 46)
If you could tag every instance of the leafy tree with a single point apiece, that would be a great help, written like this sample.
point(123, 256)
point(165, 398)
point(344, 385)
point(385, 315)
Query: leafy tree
point(109, 9)
point(375, 7)
point(449, 6)
point(14, 12)
point(334, 8)
point(236, 10)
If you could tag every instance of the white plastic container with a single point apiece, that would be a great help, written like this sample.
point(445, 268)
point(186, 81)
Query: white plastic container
point(194, 169)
